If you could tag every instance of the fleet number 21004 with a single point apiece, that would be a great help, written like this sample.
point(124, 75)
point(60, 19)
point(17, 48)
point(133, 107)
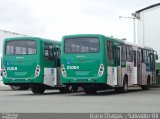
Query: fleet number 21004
point(72, 67)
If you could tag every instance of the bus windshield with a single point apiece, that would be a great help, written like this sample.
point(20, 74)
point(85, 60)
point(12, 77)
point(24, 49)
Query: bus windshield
point(81, 45)
point(20, 47)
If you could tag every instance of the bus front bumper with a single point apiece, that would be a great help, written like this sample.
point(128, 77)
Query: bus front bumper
point(68, 80)
point(8, 81)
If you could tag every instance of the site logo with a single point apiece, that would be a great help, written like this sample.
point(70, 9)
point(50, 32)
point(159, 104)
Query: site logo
point(8, 63)
point(9, 116)
point(69, 61)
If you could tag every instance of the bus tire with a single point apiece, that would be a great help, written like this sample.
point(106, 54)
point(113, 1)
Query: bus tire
point(37, 89)
point(62, 90)
point(67, 89)
point(25, 87)
point(19, 87)
point(146, 87)
point(15, 87)
point(90, 90)
point(75, 88)
point(117, 89)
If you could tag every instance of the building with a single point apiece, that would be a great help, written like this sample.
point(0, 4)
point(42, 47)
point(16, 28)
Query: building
point(148, 30)
point(6, 34)
point(148, 26)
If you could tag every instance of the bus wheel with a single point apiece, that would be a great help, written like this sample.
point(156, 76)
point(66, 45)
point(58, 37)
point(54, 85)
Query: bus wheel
point(117, 89)
point(15, 87)
point(67, 89)
point(24, 87)
point(19, 87)
point(90, 90)
point(124, 89)
point(62, 90)
point(37, 89)
point(75, 88)
point(146, 87)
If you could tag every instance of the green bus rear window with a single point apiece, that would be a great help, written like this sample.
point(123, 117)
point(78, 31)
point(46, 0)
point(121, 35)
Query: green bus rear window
point(81, 45)
point(20, 47)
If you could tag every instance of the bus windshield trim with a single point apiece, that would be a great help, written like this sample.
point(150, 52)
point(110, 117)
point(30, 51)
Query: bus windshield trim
point(82, 47)
point(25, 47)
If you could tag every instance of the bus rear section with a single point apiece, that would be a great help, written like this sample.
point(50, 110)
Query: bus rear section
point(18, 64)
point(33, 62)
point(83, 62)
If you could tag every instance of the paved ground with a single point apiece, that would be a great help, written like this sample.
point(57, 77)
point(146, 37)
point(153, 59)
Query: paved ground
point(1, 83)
point(52, 101)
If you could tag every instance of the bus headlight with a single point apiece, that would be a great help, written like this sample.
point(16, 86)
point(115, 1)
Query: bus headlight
point(37, 71)
point(101, 70)
point(63, 71)
point(4, 71)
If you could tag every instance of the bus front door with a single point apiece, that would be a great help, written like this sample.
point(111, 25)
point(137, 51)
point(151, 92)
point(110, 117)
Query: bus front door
point(139, 67)
point(152, 57)
point(118, 64)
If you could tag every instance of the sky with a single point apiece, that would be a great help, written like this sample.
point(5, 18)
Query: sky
point(53, 19)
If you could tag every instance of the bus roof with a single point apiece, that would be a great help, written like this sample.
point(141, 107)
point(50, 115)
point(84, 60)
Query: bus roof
point(129, 43)
point(32, 38)
point(109, 38)
point(81, 35)
point(91, 35)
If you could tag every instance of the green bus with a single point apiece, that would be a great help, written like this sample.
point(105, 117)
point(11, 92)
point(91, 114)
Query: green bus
point(97, 62)
point(33, 62)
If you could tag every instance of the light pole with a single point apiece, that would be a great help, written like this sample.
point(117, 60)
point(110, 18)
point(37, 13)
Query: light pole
point(134, 27)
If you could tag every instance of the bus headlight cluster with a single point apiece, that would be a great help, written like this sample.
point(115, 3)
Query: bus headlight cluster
point(64, 71)
point(4, 71)
point(37, 71)
point(101, 70)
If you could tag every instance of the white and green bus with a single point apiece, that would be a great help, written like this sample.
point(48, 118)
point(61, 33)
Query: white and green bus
point(96, 62)
point(33, 62)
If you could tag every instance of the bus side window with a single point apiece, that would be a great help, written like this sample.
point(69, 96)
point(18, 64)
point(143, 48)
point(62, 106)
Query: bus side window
point(118, 56)
point(110, 50)
point(48, 51)
point(142, 51)
point(127, 53)
point(123, 52)
point(152, 61)
point(135, 58)
point(131, 54)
